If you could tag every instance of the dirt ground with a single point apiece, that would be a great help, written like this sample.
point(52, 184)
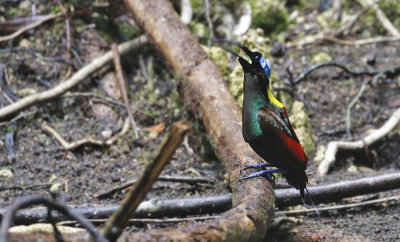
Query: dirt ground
point(84, 172)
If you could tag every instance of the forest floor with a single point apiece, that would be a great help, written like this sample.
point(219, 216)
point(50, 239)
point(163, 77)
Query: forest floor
point(88, 170)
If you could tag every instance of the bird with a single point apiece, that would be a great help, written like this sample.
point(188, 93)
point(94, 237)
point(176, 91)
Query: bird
point(266, 126)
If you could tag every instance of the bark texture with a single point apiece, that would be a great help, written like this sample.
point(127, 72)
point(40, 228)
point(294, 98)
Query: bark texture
point(206, 95)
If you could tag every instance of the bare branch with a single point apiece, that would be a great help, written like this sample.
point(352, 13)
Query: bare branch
point(63, 87)
point(84, 141)
point(355, 100)
point(339, 207)
point(119, 220)
point(220, 203)
point(28, 27)
point(334, 146)
point(381, 17)
point(123, 88)
point(190, 180)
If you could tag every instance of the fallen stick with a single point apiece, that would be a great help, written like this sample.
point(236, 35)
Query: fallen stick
point(144, 220)
point(220, 203)
point(84, 141)
point(339, 207)
point(359, 42)
point(334, 146)
point(381, 17)
point(119, 220)
point(189, 180)
point(337, 191)
point(28, 27)
point(71, 82)
point(147, 209)
point(355, 100)
point(122, 87)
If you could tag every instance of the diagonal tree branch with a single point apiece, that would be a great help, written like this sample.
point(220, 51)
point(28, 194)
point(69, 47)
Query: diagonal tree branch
point(207, 96)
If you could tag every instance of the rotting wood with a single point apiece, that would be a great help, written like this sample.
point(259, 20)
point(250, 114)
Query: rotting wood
point(206, 95)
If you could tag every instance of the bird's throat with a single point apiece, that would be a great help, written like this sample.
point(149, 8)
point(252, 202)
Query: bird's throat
point(254, 98)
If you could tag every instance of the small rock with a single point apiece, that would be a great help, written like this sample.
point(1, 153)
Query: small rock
point(104, 112)
point(24, 43)
point(109, 83)
point(320, 57)
point(56, 186)
point(106, 134)
point(352, 169)
point(278, 49)
point(371, 59)
point(6, 174)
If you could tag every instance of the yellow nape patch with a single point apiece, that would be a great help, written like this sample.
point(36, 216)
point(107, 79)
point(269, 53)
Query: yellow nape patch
point(273, 99)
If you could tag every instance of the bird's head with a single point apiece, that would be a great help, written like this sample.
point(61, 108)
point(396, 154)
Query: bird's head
point(259, 65)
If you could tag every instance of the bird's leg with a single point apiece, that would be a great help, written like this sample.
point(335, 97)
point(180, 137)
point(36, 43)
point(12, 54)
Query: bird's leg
point(264, 173)
point(258, 166)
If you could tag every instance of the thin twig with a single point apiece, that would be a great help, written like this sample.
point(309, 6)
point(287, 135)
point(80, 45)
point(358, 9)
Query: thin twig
point(339, 190)
point(368, 41)
point(85, 141)
point(28, 27)
point(38, 55)
point(18, 117)
point(43, 185)
point(123, 88)
point(209, 21)
point(24, 202)
point(320, 37)
point(75, 79)
point(355, 100)
point(104, 99)
point(382, 17)
point(119, 220)
point(393, 70)
point(351, 22)
point(146, 220)
point(99, 97)
point(339, 207)
point(68, 33)
point(65, 144)
point(190, 180)
point(334, 146)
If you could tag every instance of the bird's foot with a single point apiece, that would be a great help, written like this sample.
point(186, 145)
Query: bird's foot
point(258, 166)
point(267, 174)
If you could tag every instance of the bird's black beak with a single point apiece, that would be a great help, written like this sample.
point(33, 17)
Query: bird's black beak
point(244, 63)
point(248, 52)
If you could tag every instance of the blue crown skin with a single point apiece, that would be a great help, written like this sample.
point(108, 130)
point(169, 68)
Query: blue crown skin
point(266, 66)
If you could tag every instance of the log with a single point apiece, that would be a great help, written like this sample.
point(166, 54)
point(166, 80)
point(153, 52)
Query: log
point(206, 95)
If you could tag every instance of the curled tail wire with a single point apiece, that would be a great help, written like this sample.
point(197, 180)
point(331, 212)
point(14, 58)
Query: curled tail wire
point(312, 203)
